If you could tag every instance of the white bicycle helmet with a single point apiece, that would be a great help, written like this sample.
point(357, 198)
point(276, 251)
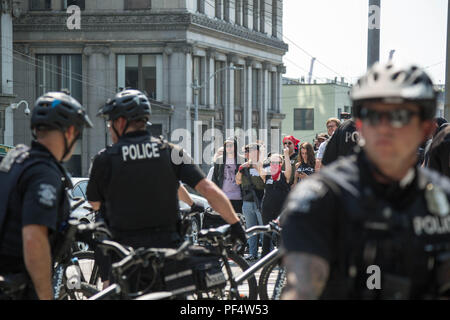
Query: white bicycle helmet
point(393, 84)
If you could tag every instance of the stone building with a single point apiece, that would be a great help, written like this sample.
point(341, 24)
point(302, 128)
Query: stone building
point(232, 48)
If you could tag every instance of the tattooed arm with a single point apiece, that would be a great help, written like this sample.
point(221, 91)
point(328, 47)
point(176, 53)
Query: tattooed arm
point(307, 275)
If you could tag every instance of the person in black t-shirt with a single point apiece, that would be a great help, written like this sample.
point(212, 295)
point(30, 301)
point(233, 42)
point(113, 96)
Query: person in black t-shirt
point(276, 189)
point(306, 162)
point(33, 202)
point(374, 225)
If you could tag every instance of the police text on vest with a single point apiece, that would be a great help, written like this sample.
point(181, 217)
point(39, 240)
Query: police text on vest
point(140, 151)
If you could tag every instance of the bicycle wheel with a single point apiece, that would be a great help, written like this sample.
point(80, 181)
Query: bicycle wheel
point(248, 289)
point(272, 281)
point(88, 280)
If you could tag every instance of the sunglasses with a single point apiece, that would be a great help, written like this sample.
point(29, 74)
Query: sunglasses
point(275, 162)
point(287, 143)
point(397, 118)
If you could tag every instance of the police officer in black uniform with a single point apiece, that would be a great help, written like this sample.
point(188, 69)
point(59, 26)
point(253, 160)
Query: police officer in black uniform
point(373, 225)
point(33, 199)
point(342, 143)
point(137, 178)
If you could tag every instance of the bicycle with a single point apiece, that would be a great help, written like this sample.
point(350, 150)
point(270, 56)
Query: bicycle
point(217, 237)
point(270, 271)
point(76, 275)
point(155, 259)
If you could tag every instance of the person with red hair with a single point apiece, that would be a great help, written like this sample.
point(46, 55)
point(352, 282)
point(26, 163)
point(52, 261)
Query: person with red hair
point(292, 144)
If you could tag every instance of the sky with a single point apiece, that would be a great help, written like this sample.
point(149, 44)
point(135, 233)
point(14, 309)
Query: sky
point(335, 33)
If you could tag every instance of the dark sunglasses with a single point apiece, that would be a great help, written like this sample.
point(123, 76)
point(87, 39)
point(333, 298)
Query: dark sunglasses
point(275, 162)
point(397, 118)
point(288, 143)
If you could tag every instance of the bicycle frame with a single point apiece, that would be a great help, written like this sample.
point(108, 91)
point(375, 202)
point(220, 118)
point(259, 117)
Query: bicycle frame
point(268, 259)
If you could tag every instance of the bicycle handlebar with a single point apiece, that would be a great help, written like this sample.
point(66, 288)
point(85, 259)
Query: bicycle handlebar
point(143, 255)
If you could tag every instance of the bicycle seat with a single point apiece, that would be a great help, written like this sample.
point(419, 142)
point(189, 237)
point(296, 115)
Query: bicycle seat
point(13, 282)
point(215, 232)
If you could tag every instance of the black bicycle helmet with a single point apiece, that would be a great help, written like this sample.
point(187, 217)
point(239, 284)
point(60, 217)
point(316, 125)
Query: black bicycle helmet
point(130, 104)
point(57, 110)
point(393, 84)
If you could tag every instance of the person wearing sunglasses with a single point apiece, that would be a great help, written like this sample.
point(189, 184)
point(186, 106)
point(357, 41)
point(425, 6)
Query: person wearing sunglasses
point(276, 189)
point(374, 225)
point(291, 143)
point(332, 124)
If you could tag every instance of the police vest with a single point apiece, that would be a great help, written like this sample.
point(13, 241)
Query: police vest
point(142, 193)
point(405, 244)
point(11, 169)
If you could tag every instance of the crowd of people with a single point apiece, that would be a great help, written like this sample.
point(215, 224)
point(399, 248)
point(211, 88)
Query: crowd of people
point(371, 191)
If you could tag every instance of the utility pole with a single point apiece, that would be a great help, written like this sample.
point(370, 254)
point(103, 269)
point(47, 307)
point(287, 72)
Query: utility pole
point(311, 70)
point(447, 71)
point(373, 39)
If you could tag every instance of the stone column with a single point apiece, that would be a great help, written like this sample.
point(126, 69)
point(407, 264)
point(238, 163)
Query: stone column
point(209, 87)
point(98, 67)
point(248, 106)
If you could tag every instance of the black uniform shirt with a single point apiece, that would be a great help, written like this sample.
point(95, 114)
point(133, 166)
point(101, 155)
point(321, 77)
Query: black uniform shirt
point(36, 199)
point(181, 168)
point(321, 220)
point(341, 143)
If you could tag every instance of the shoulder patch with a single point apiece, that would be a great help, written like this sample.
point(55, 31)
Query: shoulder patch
point(18, 154)
point(304, 193)
point(47, 195)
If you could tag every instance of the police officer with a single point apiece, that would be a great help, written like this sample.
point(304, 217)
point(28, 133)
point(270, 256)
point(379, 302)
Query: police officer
point(342, 143)
point(33, 201)
point(373, 225)
point(136, 179)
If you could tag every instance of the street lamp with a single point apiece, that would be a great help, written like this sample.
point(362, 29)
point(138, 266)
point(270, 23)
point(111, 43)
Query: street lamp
point(196, 87)
point(15, 106)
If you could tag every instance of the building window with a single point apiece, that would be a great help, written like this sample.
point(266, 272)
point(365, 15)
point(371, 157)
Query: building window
point(238, 12)
point(255, 15)
point(68, 3)
point(140, 72)
point(238, 88)
point(245, 11)
point(255, 89)
point(262, 14)
point(226, 10)
point(137, 4)
point(270, 91)
point(2, 119)
point(219, 9)
point(218, 83)
point(56, 72)
point(197, 73)
point(304, 119)
point(201, 6)
point(40, 4)
point(156, 129)
point(275, 18)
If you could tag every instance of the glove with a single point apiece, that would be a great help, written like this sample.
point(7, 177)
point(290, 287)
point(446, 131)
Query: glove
point(197, 207)
point(238, 237)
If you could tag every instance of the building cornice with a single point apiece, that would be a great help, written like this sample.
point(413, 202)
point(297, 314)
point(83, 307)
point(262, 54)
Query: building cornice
point(138, 21)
